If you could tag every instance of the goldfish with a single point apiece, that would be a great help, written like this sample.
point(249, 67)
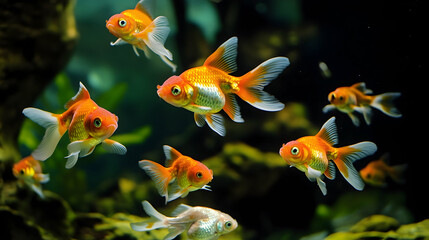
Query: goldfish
point(201, 223)
point(376, 172)
point(355, 99)
point(208, 89)
point(181, 175)
point(138, 28)
point(87, 124)
point(316, 156)
point(29, 171)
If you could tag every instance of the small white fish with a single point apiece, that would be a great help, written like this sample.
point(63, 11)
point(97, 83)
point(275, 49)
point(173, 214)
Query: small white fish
point(201, 223)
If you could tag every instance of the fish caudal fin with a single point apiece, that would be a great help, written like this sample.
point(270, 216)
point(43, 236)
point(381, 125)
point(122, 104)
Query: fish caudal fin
point(159, 175)
point(251, 84)
point(155, 35)
point(157, 220)
point(54, 131)
point(348, 155)
point(384, 103)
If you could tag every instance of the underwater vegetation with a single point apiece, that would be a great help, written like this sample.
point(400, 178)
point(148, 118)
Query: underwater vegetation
point(62, 69)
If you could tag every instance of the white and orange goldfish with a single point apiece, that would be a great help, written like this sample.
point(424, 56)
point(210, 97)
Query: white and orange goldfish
point(355, 99)
point(200, 223)
point(87, 123)
point(316, 156)
point(376, 172)
point(181, 175)
point(29, 171)
point(138, 28)
point(208, 89)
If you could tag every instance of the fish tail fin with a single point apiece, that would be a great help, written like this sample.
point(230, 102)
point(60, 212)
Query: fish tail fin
point(252, 83)
point(384, 103)
point(159, 175)
point(157, 220)
point(155, 35)
point(348, 155)
point(54, 131)
point(397, 173)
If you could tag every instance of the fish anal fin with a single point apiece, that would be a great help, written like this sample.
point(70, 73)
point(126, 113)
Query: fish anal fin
point(330, 171)
point(171, 155)
point(232, 109)
point(328, 132)
point(82, 94)
point(224, 58)
point(215, 121)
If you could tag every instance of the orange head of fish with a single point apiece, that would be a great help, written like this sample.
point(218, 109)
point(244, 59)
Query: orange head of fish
point(294, 152)
point(120, 25)
point(339, 97)
point(24, 169)
point(199, 175)
point(175, 91)
point(101, 123)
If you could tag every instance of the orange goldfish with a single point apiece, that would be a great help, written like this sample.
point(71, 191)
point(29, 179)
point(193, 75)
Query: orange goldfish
point(87, 123)
point(376, 172)
point(208, 89)
point(315, 156)
point(138, 28)
point(29, 171)
point(181, 175)
point(355, 98)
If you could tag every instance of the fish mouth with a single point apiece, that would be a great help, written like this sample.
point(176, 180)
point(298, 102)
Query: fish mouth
point(111, 129)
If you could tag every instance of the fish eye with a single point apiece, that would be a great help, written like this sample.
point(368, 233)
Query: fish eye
point(22, 172)
point(175, 90)
point(228, 225)
point(122, 22)
point(199, 175)
point(294, 151)
point(341, 98)
point(97, 122)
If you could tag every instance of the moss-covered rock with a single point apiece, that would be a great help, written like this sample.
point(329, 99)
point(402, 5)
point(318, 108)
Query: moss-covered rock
point(383, 227)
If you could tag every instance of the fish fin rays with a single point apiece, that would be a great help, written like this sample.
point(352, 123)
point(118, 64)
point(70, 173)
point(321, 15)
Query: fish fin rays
point(330, 171)
point(82, 94)
point(146, 6)
point(113, 147)
point(215, 122)
point(384, 103)
point(322, 186)
point(252, 83)
point(348, 155)
point(328, 132)
point(159, 175)
point(171, 155)
point(54, 131)
point(157, 220)
point(224, 58)
point(232, 108)
point(78, 149)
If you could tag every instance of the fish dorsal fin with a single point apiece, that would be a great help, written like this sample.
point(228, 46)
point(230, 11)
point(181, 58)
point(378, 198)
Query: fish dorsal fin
point(328, 132)
point(180, 209)
point(224, 58)
point(146, 6)
point(171, 155)
point(361, 86)
point(80, 95)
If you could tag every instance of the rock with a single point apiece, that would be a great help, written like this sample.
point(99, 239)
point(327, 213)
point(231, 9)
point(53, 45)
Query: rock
point(379, 223)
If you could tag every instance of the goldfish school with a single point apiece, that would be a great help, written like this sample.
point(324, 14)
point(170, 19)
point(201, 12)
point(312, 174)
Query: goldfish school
point(206, 90)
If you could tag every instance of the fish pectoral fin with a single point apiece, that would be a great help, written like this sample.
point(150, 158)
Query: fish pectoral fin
point(354, 119)
point(328, 108)
point(118, 41)
point(42, 178)
point(113, 147)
